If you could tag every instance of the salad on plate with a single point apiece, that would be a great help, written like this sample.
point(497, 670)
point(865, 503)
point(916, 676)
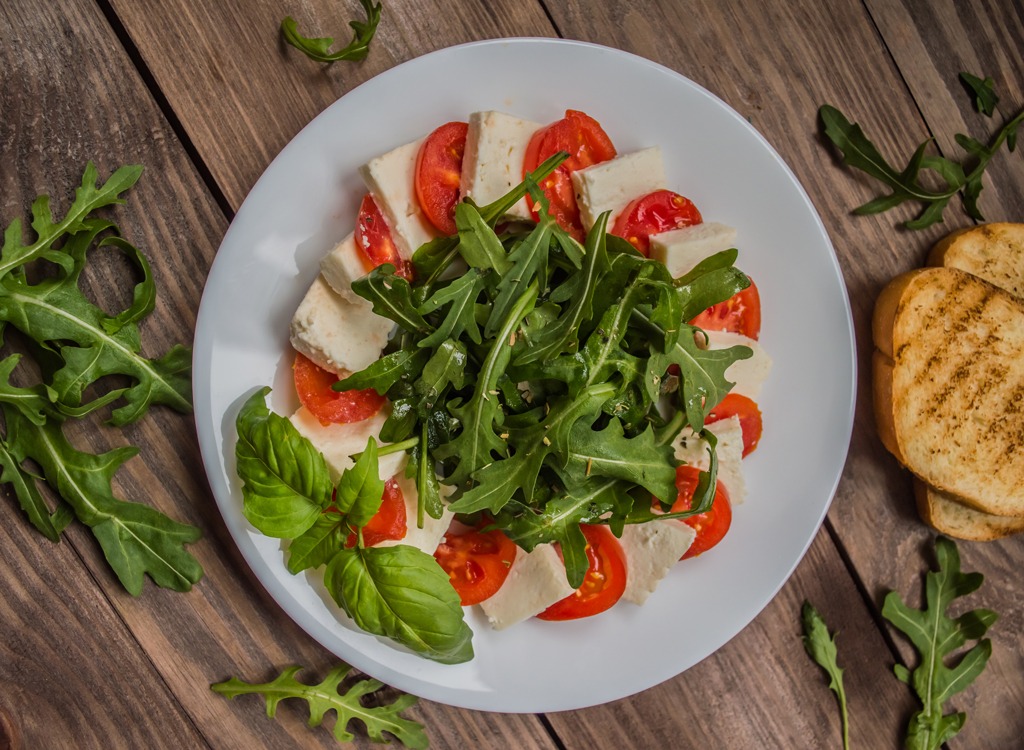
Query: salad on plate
point(528, 379)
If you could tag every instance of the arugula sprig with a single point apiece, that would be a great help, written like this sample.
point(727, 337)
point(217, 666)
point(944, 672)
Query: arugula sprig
point(937, 637)
point(821, 646)
point(347, 704)
point(319, 48)
point(953, 177)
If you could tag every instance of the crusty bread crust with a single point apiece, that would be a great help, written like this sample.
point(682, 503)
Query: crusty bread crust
point(949, 515)
point(993, 252)
point(951, 405)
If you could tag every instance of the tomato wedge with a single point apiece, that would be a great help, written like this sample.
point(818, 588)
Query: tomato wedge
point(583, 138)
point(313, 386)
point(736, 405)
point(712, 525)
point(389, 522)
point(438, 173)
point(741, 313)
point(374, 240)
point(604, 583)
point(660, 211)
point(477, 562)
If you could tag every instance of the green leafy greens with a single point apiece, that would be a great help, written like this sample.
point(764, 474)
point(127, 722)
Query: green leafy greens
point(78, 343)
point(348, 705)
point(936, 636)
point(821, 646)
point(319, 48)
point(955, 177)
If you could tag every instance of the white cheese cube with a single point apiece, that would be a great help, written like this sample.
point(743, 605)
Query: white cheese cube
point(535, 582)
point(428, 537)
point(612, 185)
point(493, 162)
point(337, 442)
point(691, 449)
point(391, 180)
point(343, 265)
point(682, 249)
point(748, 374)
point(651, 550)
point(335, 333)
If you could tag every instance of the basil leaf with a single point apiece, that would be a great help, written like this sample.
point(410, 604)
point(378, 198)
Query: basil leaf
point(401, 593)
point(319, 543)
point(360, 490)
point(319, 48)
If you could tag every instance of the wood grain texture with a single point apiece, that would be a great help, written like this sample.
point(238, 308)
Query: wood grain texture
point(242, 93)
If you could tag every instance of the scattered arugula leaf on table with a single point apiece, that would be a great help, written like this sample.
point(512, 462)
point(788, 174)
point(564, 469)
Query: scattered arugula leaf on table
point(937, 637)
point(347, 706)
point(319, 48)
point(821, 646)
point(954, 177)
point(82, 344)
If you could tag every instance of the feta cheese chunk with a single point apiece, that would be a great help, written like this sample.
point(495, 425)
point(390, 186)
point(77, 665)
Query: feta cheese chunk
point(693, 450)
point(612, 185)
point(748, 374)
point(682, 249)
point(337, 442)
point(335, 333)
point(493, 162)
point(427, 538)
point(391, 179)
point(651, 550)
point(343, 265)
point(535, 582)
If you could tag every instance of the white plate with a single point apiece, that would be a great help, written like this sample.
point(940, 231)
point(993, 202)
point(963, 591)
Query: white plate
point(307, 200)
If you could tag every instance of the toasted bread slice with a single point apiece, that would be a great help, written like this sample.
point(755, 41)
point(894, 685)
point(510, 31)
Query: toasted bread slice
point(993, 252)
point(949, 515)
point(949, 385)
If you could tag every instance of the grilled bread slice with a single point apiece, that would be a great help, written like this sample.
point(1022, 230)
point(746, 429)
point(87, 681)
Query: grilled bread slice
point(949, 515)
point(949, 385)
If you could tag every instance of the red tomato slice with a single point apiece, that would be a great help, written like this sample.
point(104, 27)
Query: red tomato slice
point(438, 173)
point(660, 211)
point(583, 138)
point(477, 562)
point(313, 385)
point(604, 583)
point(374, 240)
point(711, 525)
point(741, 313)
point(735, 405)
point(389, 522)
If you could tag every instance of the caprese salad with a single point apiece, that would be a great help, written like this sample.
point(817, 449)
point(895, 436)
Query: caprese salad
point(528, 379)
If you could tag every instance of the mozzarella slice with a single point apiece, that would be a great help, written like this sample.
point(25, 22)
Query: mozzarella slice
point(611, 185)
point(391, 179)
point(335, 333)
point(535, 582)
point(493, 162)
point(337, 442)
point(693, 450)
point(343, 265)
point(748, 374)
point(651, 550)
point(682, 249)
point(428, 537)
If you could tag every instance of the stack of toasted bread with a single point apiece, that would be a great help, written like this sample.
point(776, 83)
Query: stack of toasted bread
point(949, 381)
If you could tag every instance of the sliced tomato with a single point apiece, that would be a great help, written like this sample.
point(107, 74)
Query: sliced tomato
point(374, 240)
point(313, 386)
point(604, 583)
point(660, 211)
point(736, 405)
point(389, 522)
point(583, 138)
point(477, 562)
point(712, 525)
point(741, 313)
point(438, 173)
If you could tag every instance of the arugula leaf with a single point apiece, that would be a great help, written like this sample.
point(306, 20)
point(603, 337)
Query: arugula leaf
point(327, 696)
point(401, 593)
point(478, 245)
point(609, 453)
point(386, 371)
point(985, 98)
point(25, 489)
point(460, 296)
point(319, 48)
point(136, 540)
point(821, 647)
point(937, 637)
point(391, 296)
point(285, 481)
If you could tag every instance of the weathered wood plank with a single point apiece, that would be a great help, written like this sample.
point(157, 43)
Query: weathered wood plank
point(242, 93)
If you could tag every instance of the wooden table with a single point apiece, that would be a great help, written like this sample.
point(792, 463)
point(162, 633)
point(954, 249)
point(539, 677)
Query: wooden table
point(204, 94)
